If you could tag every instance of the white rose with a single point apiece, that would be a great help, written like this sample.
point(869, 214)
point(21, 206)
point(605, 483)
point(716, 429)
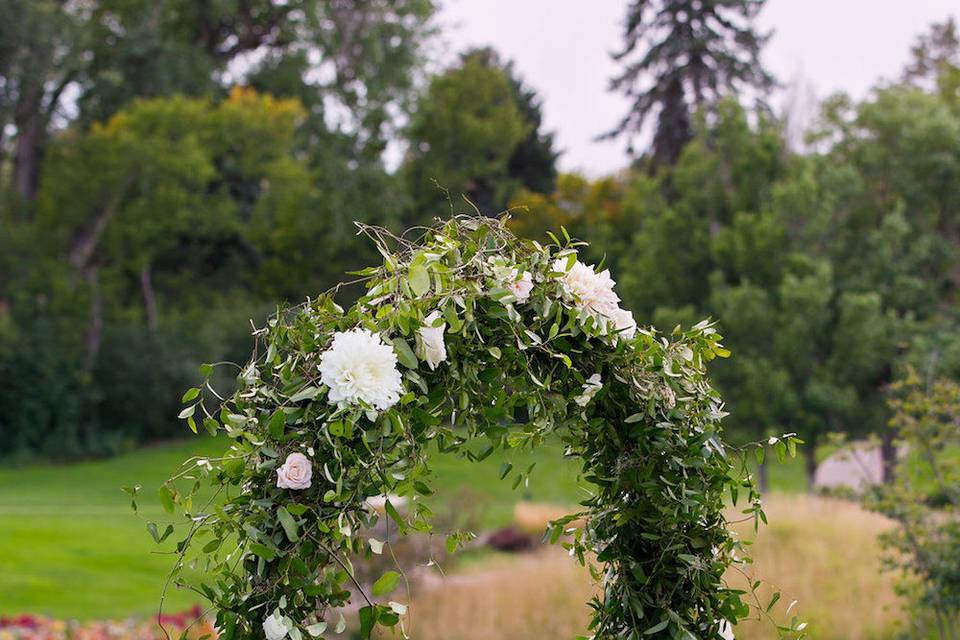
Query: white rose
point(295, 472)
point(430, 345)
point(623, 322)
point(726, 630)
point(520, 285)
point(590, 389)
point(274, 628)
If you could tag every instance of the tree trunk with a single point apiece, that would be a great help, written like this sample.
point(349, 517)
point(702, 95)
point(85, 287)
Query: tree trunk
point(31, 124)
point(95, 326)
point(762, 476)
point(810, 462)
point(888, 453)
point(149, 297)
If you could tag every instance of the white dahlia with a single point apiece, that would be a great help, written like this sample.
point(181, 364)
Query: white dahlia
point(430, 345)
point(360, 367)
point(591, 291)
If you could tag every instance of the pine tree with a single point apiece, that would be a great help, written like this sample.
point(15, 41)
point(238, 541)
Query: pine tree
point(683, 55)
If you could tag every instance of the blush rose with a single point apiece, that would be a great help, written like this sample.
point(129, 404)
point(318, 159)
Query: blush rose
point(295, 472)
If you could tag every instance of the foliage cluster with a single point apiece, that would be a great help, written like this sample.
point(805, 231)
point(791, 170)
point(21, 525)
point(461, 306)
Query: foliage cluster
point(635, 410)
point(924, 501)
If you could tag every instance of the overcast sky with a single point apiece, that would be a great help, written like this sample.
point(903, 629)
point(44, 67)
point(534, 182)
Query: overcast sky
point(561, 48)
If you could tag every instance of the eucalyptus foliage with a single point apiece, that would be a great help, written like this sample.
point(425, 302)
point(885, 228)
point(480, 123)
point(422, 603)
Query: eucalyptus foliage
point(637, 412)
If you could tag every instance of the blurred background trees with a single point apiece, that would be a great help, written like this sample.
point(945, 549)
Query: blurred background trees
point(683, 56)
point(169, 171)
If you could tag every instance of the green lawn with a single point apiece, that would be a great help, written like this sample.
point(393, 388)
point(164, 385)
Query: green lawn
point(71, 547)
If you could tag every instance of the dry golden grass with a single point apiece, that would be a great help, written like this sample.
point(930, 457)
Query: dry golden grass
point(819, 551)
point(539, 595)
point(824, 553)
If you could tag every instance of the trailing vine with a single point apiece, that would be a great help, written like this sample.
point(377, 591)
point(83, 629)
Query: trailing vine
point(468, 340)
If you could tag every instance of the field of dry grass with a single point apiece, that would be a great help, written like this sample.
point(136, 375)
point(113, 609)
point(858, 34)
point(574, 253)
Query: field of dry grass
point(819, 551)
point(824, 553)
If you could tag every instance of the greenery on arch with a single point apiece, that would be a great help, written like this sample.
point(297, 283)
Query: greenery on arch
point(470, 339)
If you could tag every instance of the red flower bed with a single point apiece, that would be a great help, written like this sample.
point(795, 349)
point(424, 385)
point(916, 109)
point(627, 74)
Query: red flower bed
point(30, 627)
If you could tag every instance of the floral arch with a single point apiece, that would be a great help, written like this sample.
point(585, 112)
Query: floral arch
point(466, 337)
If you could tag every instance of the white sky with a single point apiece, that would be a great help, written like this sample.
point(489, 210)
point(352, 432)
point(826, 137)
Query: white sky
point(561, 49)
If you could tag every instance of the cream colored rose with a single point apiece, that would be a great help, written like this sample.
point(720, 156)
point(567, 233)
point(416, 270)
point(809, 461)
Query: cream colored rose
point(520, 285)
point(295, 472)
point(430, 345)
point(274, 628)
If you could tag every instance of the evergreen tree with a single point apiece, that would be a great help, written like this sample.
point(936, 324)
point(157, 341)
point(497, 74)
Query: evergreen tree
point(478, 132)
point(683, 55)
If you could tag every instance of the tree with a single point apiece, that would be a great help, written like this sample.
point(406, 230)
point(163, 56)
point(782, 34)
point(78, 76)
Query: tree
point(936, 60)
point(141, 222)
point(477, 132)
point(39, 59)
point(363, 56)
point(924, 501)
point(694, 53)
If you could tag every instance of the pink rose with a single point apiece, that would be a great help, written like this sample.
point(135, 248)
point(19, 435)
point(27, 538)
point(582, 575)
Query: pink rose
point(295, 472)
point(521, 284)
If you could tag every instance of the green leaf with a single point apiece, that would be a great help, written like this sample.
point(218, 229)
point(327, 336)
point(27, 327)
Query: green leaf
point(212, 546)
point(368, 618)
point(404, 353)
point(166, 498)
point(395, 515)
point(307, 393)
point(452, 543)
point(637, 417)
point(660, 626)
point(289, 524)
point(211, 425)
point(277, 422)
point(773, 601)
point(419, 279)
point(190, 394)
point(385, 584)
point(263, 551)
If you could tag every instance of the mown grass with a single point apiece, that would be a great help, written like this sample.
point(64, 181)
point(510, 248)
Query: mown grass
point(71, 547)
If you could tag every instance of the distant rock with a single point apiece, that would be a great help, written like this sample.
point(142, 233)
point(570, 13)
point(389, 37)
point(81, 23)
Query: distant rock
point(511, 539)
point(856, 466)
